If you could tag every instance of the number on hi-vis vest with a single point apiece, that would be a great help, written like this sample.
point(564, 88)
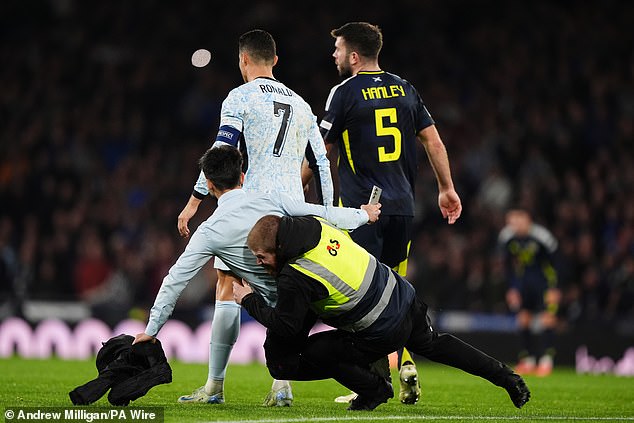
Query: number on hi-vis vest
point(332, 249)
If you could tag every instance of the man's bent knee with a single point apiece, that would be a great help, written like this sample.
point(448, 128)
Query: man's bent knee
point(286, 370)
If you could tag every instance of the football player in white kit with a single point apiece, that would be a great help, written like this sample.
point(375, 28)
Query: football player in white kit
point(276, 125)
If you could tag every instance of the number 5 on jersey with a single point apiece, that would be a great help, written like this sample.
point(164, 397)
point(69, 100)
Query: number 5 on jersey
point(285, 111)
point(392, 131)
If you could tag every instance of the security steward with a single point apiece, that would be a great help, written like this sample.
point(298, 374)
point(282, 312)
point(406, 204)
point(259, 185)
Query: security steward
point(323, 274)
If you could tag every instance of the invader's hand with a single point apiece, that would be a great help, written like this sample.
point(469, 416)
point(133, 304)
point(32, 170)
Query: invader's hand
point(143, 337)
point(373, 211)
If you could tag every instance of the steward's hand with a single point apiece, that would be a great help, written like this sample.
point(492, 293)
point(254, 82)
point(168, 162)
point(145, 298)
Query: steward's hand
point(240, 291)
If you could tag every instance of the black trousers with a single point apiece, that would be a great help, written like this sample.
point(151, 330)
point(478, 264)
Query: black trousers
point(346, 357)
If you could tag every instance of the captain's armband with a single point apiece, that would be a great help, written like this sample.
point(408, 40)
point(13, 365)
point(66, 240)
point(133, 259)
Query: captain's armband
point(229, 135)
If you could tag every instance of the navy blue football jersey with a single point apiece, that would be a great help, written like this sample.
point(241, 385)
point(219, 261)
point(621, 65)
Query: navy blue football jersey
point(375, 116)
point(529, 259)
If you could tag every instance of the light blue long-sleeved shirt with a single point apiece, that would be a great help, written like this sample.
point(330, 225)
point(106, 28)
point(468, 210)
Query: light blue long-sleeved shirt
point(224, 235)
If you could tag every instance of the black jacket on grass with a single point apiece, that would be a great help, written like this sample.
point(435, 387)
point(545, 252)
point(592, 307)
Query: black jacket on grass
point(129, 371)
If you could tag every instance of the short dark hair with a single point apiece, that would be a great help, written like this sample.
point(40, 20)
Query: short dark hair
point(263, 235)
point(259, 44)
point(364, 38)
point(223, 166)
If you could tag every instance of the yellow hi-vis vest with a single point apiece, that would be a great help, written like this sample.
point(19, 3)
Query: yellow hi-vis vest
point(347, 271)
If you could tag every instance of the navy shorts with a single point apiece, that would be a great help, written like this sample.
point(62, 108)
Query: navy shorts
point(533, 296)
point(388, 240)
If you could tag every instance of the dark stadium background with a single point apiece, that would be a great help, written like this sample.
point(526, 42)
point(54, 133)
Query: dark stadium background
point(102, 119)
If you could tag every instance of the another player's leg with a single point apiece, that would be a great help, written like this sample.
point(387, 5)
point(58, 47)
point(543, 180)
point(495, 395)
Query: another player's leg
point(397, 243)
point(409, 391)
point(527, 355)
point(545, 364)
point(410, 386)
point(225, 328)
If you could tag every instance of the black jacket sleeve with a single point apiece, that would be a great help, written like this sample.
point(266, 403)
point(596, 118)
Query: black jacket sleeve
point(295, 292)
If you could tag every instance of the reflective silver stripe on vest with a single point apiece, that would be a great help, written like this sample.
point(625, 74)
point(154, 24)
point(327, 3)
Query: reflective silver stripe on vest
point(376, 311)
point(354, 296)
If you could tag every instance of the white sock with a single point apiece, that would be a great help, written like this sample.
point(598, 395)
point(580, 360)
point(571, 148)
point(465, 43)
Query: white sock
point(225, 328)
point(279, 384)
point(214, 386)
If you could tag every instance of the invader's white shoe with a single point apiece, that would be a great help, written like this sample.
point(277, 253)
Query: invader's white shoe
point(199, 395)
point(282, 397)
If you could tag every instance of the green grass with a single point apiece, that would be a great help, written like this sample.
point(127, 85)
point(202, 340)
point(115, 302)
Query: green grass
point(448, 395)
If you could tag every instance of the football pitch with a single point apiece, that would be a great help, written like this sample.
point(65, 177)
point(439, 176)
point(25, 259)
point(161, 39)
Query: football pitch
point(447, 395)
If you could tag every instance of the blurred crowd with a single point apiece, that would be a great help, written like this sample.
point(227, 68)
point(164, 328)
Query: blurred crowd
point(103, 118)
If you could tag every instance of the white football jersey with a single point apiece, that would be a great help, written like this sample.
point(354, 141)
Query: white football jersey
point(276, 124)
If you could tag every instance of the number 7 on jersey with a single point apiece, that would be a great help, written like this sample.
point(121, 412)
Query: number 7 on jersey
point(285, 111)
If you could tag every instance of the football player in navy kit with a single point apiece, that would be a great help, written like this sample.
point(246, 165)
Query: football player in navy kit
point(377, 118)
point(528, 250)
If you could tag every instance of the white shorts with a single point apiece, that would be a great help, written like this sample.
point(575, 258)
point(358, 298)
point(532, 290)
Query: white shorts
point(219, 264)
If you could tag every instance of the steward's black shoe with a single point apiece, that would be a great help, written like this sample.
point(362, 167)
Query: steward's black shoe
point(517, 389)
point(369, 403)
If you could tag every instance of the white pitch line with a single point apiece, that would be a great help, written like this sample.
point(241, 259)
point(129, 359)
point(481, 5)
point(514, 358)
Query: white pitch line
point(426, 417)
